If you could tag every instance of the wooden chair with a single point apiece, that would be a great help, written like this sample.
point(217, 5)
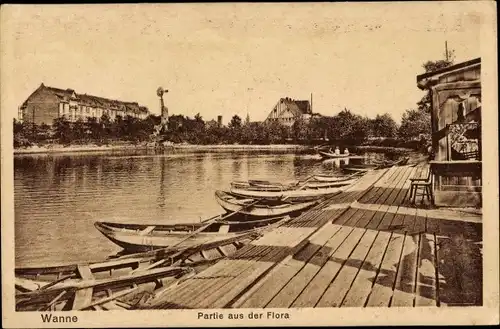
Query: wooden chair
point(422, 186)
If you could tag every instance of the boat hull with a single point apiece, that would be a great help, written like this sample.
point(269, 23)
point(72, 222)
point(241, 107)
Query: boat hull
point(327, 155)
point(234, 203)
point(306, 194)
point(137, 238)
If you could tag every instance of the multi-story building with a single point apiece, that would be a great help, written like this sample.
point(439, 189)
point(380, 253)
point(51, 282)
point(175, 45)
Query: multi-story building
point(286, 111)
point(48, 103)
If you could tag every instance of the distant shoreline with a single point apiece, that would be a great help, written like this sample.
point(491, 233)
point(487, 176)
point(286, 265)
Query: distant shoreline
point(195, 147)
point(96, 148)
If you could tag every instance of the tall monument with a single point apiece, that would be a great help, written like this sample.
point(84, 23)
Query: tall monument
point(164, 110)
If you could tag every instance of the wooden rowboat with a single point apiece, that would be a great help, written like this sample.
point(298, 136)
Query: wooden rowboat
point(231, 202)
point(144, 237)
point(329, 155)
point(297, 194)
point(335, 178)
point(114, 284)
point(275, 186)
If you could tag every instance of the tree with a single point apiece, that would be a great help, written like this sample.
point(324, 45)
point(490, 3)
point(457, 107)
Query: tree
point(431, 66)
point(383, 126)
point(300, 130)
point(348, 127)
point(62, 130)
point(415, 124)
point(79, 129)
point(95, 128)
point(235, 122)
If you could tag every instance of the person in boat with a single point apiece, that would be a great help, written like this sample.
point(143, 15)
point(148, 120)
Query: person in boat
point(337, 150)
point(346, 151)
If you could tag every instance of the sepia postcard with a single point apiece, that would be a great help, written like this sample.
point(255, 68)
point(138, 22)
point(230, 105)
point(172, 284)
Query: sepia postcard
point(249, 164)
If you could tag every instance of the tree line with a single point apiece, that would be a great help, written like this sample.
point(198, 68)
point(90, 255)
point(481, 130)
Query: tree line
point(346, 127)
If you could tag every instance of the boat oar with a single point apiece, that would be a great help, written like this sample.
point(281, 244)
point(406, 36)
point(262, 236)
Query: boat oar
point(208, 223)
point(304, 184)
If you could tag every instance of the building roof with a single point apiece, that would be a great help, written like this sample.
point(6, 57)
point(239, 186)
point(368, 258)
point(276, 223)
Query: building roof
point(91, 100)
point(423, 79)
point(298, 107)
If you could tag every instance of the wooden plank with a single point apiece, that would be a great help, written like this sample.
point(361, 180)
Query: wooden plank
point(404, 289)
point(112, 306)
point(335, 293)
point(357, 295)
point(283, 273)
point(348, 238)
point(247, 278)
point(83, 297)
point(426, 280)
point(197, 282)
point(382, 289)
point(209, 287)
point(147, 230)
point(225, 286)
point(294, 287)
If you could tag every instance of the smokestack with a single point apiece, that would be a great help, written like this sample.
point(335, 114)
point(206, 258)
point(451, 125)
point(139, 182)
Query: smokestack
point(311, 102)
point(219, 120)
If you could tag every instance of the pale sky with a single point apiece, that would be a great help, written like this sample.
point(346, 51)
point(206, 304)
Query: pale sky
point(227, 58)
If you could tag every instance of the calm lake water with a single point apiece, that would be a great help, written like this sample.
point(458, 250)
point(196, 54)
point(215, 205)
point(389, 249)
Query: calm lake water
point(59, 197)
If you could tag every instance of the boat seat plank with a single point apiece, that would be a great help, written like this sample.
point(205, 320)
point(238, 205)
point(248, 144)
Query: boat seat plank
point(114, 264)
point(147, 230)
point(83, 297)
point(85, 272)
point(382, 289)
point(224, 229)
point(337, 290)
point(228, 249)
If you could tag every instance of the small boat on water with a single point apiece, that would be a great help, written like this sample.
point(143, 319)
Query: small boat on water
point(303, 193)
point(144, 237)
point(231, 202)
point(330, 155)
point(275, 186)
point(115, 284)
point(335, 178)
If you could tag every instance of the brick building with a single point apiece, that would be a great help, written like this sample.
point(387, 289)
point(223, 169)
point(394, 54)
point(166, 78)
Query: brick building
point(48, 103)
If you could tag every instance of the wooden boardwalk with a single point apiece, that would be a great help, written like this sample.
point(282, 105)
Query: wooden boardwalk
point(365, 247)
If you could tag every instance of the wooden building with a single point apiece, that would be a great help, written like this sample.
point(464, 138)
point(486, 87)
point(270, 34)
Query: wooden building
point(286, 111)
point(48, 103)
point(456, 132)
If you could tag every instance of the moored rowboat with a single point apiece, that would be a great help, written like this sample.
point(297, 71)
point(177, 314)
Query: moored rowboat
point(117, 283)
point(301, 193)
point(329, 155)
point(335, 178)
point(275, 186)
point(144, 237)
point(231, 202)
